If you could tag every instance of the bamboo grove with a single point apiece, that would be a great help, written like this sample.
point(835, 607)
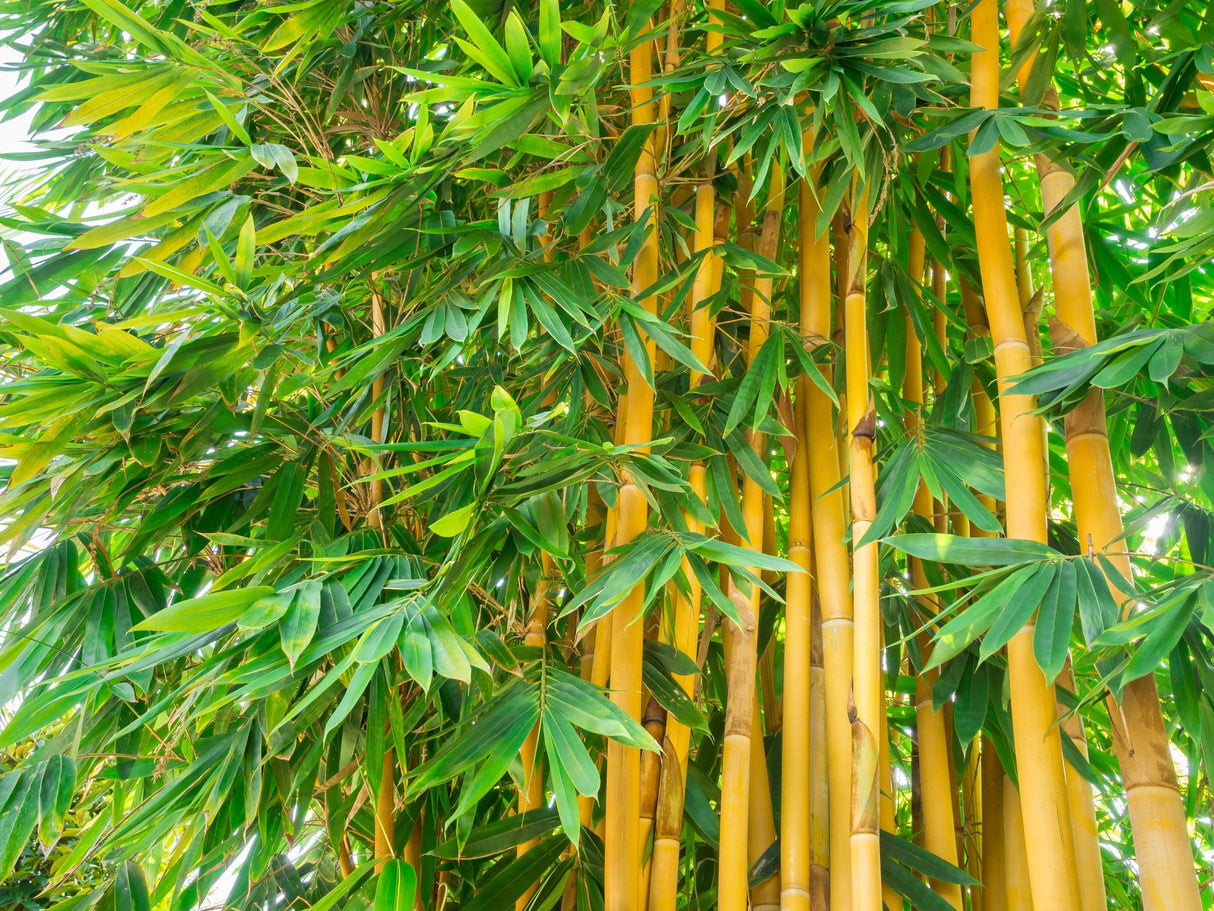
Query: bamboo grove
point(679, 454)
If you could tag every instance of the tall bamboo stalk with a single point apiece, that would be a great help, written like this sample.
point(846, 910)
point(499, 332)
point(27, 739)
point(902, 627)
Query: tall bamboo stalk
point(668, 823)
point(939, 824)
point(868, 692)
point(1157, 816)
point(737, 759)
point(830, 556)
point(819, 780)
point(622, 850)
point(796, 784)
point(1038, 750)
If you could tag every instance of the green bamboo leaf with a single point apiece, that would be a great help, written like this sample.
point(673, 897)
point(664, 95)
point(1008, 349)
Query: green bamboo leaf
point(206, 612)
point(55, 796)
point(483, 46)
point(1021, 609)
point(501, 835)
point(972, 551)
point(1052, 635)
point(1165, 632)
point(921, 860)
point(298, 624)
point(395, 887)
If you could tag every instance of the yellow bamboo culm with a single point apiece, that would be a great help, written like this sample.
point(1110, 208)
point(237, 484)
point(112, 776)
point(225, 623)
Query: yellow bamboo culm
point(385, 811)
point(830, 555)
point(1017, 877)
point(668, 817)
point(622, 849)
point(761, 826)
point(412, 855)
point(1163, 850)
point(1051, 856)
point(868, 693)
point(737, 760)
point(796, 783)
point(992, 896)
point(939, 824)
point(819, 781)
point(663, 890)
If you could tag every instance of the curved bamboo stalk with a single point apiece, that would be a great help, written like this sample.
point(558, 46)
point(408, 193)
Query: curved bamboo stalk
point(1038, 750)
point(830, 556)
point(737, 758)
point(622, 851)
point(1157, 816)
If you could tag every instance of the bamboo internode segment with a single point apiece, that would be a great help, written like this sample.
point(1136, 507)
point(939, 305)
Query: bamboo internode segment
point(622, 849)
point(830, 556)
point(1157, 816)
point(1051, 858)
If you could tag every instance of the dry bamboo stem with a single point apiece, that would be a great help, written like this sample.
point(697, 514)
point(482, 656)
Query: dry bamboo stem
point(830, 556)
point(622, 851)
point(1038, 750)
point(1157, 816)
